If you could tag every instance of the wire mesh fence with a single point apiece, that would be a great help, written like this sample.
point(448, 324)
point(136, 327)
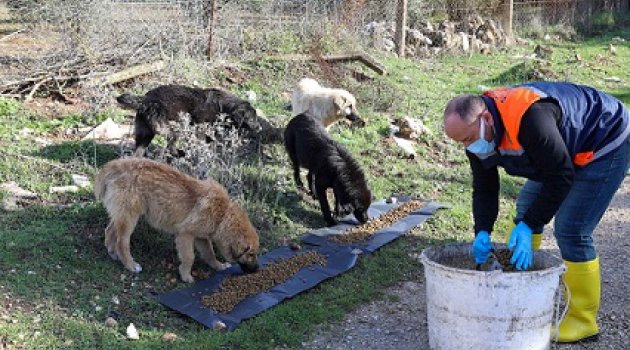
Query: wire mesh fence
point(139, 30)
point(75, 39)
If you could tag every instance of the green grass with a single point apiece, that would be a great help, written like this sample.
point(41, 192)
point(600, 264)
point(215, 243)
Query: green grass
point(57, 282)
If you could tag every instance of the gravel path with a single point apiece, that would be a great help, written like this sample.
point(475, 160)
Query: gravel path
point(398, 321)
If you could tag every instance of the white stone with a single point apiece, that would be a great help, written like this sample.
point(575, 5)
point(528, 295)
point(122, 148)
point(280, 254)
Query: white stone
point(406, 146)
point(64, 189)
point(107, 130)
point(251, 95)
point(16, 191)
point(80, 180)
point(465, 42)
point(132, 332)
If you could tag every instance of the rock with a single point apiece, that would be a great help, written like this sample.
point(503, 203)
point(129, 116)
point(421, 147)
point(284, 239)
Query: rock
point(388, 45)
point(613, 79)
point(409, 128)
point(132, 332)
point(111, 322)
point(406, 146)
point(25, 131)
point(81, 180)
point(64, 189)
point(169, 337)
point(612, 49)
point(218, 326)
point(521, 41)
point(107, 130)
point(251, 95)
point(464, 41)
point(15, 194)
point(543, 51)
point(415, 37)
point(16, 191)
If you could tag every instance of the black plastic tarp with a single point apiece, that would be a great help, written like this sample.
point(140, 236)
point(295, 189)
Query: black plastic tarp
point(188, 300)
point(321, 237)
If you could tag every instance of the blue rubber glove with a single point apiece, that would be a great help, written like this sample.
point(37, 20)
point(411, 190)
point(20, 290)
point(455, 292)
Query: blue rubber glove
point(521, 244)
point(481, 247)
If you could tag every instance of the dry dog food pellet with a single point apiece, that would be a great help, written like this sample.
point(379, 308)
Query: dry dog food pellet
point(233, 289)
point(362, 232)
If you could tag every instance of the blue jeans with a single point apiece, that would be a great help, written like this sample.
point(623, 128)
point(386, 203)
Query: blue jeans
point(593, 188)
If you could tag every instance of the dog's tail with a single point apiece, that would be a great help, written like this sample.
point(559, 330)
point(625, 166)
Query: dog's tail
point(108, 173)
point(100, 184)
point(130, 101)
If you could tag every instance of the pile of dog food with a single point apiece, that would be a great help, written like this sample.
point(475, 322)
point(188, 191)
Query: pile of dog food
point(234, 289)
point(503, 257)
point(362, 232)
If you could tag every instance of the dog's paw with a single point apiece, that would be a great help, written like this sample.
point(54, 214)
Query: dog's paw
point(188, 278)
point(343, 210)
point(137, 268)
point(221, 267)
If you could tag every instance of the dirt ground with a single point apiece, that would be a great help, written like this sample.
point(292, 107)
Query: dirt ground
point(398, 321)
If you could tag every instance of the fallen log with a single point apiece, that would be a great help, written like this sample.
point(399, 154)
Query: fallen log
point(336, 58)
point(128, 73)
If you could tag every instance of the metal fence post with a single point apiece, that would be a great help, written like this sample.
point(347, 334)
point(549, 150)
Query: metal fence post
point(401, 24)
point(508, 17)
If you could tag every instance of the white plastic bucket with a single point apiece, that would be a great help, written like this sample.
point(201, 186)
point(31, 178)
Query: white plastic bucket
point(469, 309)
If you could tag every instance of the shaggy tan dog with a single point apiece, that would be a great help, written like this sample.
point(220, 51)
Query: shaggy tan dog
point(199, 213)
point(325, 104)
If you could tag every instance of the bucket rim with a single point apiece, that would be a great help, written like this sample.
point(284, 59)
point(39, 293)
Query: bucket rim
point(425, 260)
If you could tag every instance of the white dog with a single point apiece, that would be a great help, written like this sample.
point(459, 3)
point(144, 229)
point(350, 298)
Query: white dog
point(325, 104)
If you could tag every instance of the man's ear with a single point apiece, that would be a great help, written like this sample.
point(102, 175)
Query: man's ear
point(487, 117)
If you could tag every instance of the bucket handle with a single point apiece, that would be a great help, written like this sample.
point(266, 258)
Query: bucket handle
point(566, 308)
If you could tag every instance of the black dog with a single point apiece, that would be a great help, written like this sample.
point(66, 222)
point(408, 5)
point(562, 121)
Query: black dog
point(331, 166)
point(165, 103)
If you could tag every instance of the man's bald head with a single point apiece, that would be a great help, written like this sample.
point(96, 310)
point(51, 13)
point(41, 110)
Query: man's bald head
point(466, 106)
point(461, 117)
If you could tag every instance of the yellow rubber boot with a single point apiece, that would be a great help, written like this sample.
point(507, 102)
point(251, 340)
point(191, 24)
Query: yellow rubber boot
point(583, 281)
point(536, 238)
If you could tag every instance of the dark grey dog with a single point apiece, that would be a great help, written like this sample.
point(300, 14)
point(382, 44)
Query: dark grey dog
point(165, 103)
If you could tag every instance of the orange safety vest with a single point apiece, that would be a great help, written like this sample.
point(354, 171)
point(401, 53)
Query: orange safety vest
point(512, 103)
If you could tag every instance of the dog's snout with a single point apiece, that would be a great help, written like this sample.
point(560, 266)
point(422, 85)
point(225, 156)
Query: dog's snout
point(356, 120)
point(361, 215)
point(249, 268)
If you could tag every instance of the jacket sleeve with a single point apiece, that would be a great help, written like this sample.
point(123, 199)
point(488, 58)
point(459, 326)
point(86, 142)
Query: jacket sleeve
point(541, 141)
point(485, 197)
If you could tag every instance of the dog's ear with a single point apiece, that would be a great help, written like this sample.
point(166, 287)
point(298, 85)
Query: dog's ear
point(240, 249)
point(340, 103)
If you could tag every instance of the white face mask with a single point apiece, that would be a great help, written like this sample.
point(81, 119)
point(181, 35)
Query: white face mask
point(482, 148)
